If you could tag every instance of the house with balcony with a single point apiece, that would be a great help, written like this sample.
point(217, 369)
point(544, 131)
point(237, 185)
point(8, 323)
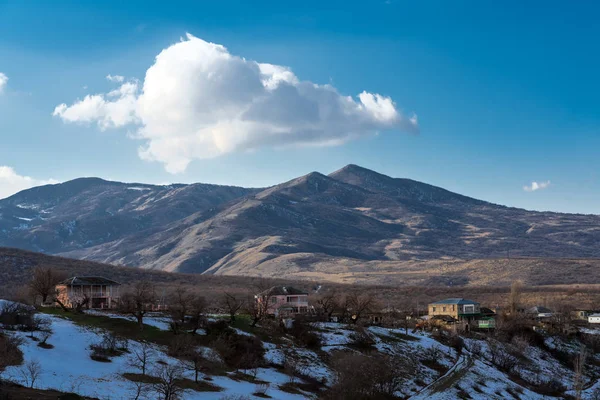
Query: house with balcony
point(457, 308)
point(95, 292)
point(282, 301)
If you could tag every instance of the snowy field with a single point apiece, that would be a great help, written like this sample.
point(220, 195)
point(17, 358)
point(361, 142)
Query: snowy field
point(67, 367)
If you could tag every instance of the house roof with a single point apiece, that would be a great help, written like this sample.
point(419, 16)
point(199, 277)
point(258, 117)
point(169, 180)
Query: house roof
point(283, 290)
point(538, 310)
point(594, 315)
point(88, 280)
point(455, 300)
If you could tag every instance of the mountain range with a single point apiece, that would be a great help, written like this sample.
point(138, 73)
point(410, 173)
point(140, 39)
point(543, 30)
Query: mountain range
point(352, 221)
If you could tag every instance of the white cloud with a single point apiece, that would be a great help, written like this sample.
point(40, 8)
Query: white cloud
point(536, 186)
point(3, 81)
point(11, 182)
point(115, 78)
point(200, 101)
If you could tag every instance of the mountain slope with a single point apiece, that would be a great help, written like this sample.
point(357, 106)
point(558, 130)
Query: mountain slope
point(353, 220)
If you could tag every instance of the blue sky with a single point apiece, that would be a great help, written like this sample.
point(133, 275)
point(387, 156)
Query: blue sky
point(505, 94)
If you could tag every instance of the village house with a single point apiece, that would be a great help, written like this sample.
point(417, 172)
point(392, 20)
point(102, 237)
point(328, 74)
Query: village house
point(95, 291)
point(457, 308)
point(284, 301)
point(539, 312)
point(594, 318)
point(581, 315)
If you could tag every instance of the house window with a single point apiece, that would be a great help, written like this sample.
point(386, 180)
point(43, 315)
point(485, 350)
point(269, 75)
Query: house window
point(433, 309)
point(452, 308)
point(469, 309)
point(444, 309)
point(273, 300)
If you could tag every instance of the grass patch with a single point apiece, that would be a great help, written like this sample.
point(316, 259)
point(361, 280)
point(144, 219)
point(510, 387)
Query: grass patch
point(121, 327)
point(200, 386)
point(14, 391)
point(290, 387)
point(241, 376)
point(403, 336)
point(140, 378)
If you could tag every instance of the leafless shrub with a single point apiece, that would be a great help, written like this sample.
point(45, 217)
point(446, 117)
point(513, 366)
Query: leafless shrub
point(261, 389)
point(140, 357)
point(111, 345)
point(291, 365)
point(475, 347)
point(9, 351)
point(233, 304)
point(521, 343)
point(17, 316)
point(432, 354)
point(377, 376)
point(579, 369)
point(167, 385)
point(361, 338)
point(502, 356)
point(30, 372)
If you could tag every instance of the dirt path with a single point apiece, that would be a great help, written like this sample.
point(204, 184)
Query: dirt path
point(446, 381)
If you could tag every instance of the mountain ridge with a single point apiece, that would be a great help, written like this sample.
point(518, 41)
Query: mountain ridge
point(353, 215)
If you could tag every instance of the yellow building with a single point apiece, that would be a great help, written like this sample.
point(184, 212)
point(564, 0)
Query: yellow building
point(455, 307)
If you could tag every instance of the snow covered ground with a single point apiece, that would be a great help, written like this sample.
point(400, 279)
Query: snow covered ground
point(67, 367)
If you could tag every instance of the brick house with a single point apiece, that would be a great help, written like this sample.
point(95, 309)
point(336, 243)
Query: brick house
point(101, 293)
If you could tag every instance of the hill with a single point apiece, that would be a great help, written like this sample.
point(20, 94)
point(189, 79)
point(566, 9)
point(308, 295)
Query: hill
point(353, 222)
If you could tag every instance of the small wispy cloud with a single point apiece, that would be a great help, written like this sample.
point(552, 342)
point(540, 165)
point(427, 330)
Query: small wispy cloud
point(115, 78)
point(3, 81)
point(536, 186)
point(11, 182)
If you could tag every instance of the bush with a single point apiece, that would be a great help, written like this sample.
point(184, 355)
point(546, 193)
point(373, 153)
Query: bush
point(9, 351)
point(304, 335)
point(379, 376)
point(361, 339)
point(239, 351)
point(17, 316)
point(111, 345)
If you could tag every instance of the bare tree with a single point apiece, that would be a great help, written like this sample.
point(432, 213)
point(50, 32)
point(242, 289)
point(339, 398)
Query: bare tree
point(233, 305)
point(140, 357)
point(44, 280)
point(196, 313)
point(359, 305)
point(327, 304)
point(141, 389)
point(514, 299)
point(167, 385)
point(31, 372)
point(258, 305)
point(138, 301)
point(291, 365)
point(195, 362)
point(179, 306)
point(579, 369)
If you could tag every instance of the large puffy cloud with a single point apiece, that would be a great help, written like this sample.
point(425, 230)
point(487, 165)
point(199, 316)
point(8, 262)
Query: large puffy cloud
point(199, 101)
point(11, 182)
point(3, 81)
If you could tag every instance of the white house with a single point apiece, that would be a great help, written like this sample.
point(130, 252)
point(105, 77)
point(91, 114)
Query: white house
point(594, 318)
